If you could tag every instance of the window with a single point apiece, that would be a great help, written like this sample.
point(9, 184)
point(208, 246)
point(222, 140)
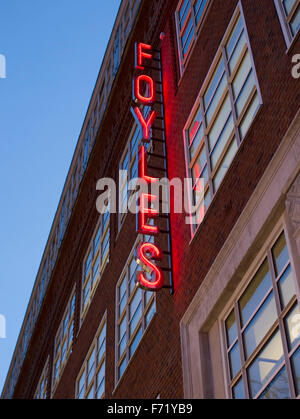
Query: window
point(63, 341)
point(189, 15)
point(289, 16)
point(128, 170)
point(95, 261)
point(90, 383)
point(41, 391)
point(262, 332)
point(134, 311)
point(222, 115)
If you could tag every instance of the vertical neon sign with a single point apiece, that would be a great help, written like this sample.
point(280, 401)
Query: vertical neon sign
point(144, 95)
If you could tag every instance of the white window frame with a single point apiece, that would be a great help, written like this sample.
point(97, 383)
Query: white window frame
point(95, 348)
point(248, 277)
point(97, 257)
point(42, 387)
point(284, 21)
point(132, 152)
point(143, 323)
point(196, 28)
point(61, 338)
point(210, 189)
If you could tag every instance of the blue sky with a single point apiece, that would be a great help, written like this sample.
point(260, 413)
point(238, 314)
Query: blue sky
point(53, 52)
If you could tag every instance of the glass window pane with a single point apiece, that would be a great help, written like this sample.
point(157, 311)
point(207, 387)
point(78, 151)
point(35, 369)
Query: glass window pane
point(255, 292)
point(225, 164)
point(199, 165)
point(194, 127)
point(135, 342)
point(265, 364)
point(196, 137)
point(234, 37)
point(288, 5)
point(135, 319)
point(101, 374)
point(286, 287)
point(88, 262)
point(122, 288)
point(222, 141)
point(97, 239)
point(125, 162)
point(292, 324)
point(101, 351)
point(216, 99)
point(148, 295)
point(234, 360)
point(122, 367)
point(90, 395)
point(96, 267)
point(241, 75)
point(238, 391)
point(296, 370)
point(100, 390)
point(184, 10)
point(135, 302)
point(150, 313)
point(133, 268)
point(122, 345)
point(259, 325)
point(102, 335)
point(295, 22)
point(278, 389)
point(250, 114)
point(280, 254)
point(122, 305)
point(91, 367)
point(245, 93)
point(231, 329)
point(122, 327)
point(186, 34)
point(188, 43)
point(219, 123)
point(214, 83)
point(237, 53)
point(201, 210)
point(199, 8)
point(81, 386)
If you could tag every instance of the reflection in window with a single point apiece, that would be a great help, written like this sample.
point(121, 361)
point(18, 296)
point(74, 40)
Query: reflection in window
point(279, 387)
point(90, 383)
point(265, 316)
point(135, 309)
point(95, 261)
point(41, 391)
point(265, 364)
point(222, 115)
point(188, 15)
point(63, 341)
point(289, 16)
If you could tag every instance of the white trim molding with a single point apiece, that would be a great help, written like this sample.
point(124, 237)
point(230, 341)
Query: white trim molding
point(275, 195)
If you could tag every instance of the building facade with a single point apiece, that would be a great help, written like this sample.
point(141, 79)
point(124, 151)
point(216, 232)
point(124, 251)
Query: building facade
point(227, 324)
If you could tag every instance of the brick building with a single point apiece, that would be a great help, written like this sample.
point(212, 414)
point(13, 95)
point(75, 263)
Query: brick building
point(227, 112)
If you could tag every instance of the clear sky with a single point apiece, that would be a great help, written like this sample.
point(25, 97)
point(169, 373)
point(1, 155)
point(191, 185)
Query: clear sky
point(53, 52)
